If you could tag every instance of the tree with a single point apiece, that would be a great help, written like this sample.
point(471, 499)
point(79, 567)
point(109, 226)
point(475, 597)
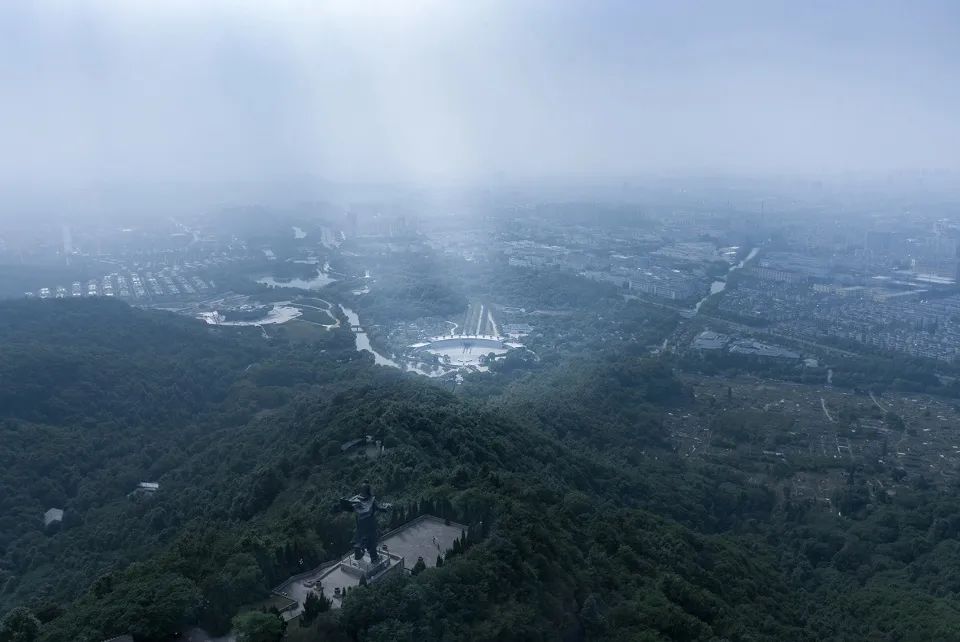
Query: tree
point(155, 605)
point(256, 626)
point(419, 567)
point(313, 606)
point(103, 585)
point(591, 613)
point(19, 625)
point(439, 561)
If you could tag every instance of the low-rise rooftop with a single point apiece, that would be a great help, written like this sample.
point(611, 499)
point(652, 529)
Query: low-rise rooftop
point(52, 516)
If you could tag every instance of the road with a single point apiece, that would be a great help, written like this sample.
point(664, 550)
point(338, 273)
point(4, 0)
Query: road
point(898, 448)
point(480, 319)
point(746, 328)
point(877, 402)
point(494, 330)
point(823, 404)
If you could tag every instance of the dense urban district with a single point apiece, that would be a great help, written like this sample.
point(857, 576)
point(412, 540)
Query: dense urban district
point(676, 412)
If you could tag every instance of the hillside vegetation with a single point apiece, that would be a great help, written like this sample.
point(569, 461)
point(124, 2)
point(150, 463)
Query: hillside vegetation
point(584, 523)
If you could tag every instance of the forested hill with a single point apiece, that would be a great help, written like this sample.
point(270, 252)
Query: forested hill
point(574, 533)
point(67, 361)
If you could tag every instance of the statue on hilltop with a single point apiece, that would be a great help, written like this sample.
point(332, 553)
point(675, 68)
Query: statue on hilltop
point(365, 507)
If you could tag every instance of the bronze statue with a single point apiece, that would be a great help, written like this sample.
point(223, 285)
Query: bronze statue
point(364, 506)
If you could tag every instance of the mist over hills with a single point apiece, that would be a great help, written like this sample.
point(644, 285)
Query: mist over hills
point(421, 320)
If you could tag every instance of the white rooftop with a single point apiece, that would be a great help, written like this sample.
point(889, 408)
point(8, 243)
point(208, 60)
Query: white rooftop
point(52, 515)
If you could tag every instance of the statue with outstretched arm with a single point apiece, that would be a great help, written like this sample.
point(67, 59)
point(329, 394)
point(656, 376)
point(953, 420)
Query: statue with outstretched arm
point(364, 506)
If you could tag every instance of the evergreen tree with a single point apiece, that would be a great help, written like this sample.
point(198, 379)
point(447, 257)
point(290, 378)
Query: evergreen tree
point(19, 625)
point(256, 626)
point(313, 606)
point(419, 567)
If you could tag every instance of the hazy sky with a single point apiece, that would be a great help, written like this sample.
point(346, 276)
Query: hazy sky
point(355, 90)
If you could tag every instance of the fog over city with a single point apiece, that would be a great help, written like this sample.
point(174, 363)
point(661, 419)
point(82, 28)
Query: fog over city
point(430, 91)
point(479, 320)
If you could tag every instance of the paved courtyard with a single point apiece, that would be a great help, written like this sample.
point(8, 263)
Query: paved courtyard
point(426, 536)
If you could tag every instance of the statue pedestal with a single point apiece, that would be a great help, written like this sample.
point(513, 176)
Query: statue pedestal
point(364, 567)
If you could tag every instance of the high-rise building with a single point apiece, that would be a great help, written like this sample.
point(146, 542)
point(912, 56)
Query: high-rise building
point(67, 243)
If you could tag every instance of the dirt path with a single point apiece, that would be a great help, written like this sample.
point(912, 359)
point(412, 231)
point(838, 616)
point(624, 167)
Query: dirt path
point(823, 404)
point(878, 403)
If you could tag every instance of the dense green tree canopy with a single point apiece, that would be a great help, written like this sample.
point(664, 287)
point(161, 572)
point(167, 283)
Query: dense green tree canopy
point(584, 524)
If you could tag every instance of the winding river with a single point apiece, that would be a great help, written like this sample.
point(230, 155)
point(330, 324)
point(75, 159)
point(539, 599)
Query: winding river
point(363, 341)
point(363, 344)
point(720, 285)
